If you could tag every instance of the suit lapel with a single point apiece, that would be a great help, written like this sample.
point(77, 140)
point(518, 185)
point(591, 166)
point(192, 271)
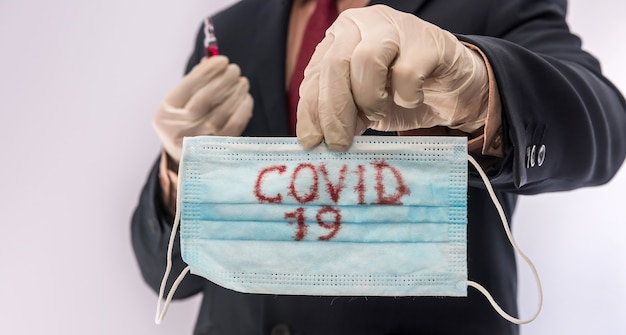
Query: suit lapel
point(271, 27)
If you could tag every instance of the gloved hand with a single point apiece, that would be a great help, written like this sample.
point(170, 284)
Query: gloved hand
point(212, 99)
point(387, 70)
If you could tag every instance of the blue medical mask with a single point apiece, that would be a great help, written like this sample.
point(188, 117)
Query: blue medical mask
point(386, 218)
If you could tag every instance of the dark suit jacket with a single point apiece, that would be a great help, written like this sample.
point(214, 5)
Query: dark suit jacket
point(553, 96)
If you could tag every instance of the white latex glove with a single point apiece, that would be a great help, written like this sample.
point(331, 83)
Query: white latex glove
point(212, 99)
point(387, 70)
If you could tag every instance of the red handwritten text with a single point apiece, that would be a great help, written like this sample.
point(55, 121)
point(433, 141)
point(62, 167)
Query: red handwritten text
point(401, 189)
point(259, 179)
point(304, 188)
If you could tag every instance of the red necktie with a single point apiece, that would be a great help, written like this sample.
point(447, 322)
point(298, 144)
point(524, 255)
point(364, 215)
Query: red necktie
point(324, 15)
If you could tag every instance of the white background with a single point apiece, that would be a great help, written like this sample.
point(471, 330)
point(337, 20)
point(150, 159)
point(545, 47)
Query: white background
point(79, 81)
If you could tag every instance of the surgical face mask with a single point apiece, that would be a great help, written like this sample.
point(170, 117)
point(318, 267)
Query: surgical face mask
point(386, 218)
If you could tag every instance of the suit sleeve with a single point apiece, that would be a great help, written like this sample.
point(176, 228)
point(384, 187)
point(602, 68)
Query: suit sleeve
point(564, 123)
point(151, 226)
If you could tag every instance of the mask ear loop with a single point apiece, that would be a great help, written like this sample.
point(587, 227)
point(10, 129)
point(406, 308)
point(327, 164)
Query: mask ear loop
point(505, 224)
point(162, 307)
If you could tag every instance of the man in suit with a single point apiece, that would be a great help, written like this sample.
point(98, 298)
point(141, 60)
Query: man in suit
point(536, 109)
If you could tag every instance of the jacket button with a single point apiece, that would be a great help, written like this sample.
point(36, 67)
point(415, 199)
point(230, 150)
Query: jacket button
point(541, 155)
point(280, 329)
point(535, 156)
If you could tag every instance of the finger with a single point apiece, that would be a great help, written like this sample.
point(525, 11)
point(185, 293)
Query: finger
point(308, 128)
point(369, 69)
point(401, 119)
point(238, 121)
point(416, 63)
point(198, 77)
point(337, 110)
point(219, 115)
point(213, 93)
